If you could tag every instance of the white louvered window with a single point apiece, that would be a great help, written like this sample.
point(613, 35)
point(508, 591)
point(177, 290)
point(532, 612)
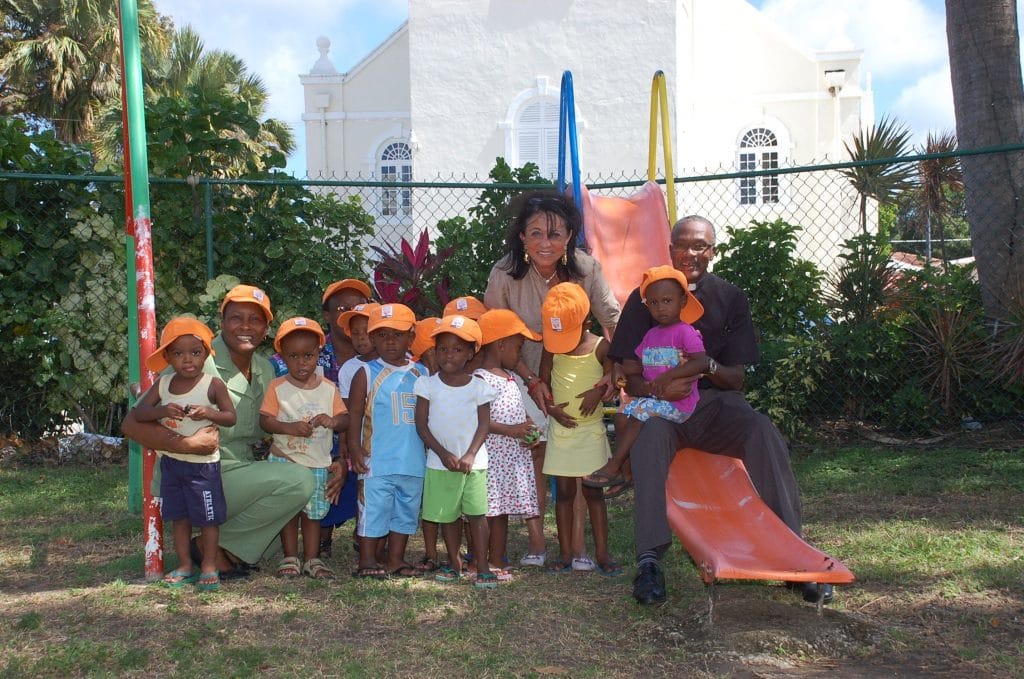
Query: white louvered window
point(759, 150)
point(396, 166)
point(536, 135)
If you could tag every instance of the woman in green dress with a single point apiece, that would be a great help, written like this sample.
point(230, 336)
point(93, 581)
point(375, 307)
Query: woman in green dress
point(261, 496)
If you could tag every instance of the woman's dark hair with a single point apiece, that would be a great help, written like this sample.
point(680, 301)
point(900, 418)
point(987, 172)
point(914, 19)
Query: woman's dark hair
point(554, 206)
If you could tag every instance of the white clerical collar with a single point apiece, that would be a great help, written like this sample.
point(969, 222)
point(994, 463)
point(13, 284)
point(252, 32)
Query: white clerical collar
point(692, 286)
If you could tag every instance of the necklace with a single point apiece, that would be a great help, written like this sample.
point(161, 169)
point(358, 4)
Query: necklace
point(547, 281)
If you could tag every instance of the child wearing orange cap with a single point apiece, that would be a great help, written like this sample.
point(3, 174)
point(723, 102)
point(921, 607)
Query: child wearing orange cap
point(302, 410)
point(574, 361)
point(670, 350)
point(383, 445)
point(511, 483)
point(185, 401)
point(452, 418)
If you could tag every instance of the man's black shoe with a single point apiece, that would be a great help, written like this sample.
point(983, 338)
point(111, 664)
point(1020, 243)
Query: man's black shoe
point(809, 591)
point(649, 584)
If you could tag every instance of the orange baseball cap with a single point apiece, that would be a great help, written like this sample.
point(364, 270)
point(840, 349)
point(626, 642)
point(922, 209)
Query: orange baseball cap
point(175, 328)
point(424, 338)
point(693, 308)
point(470, 307)
point(250, 294)
point(397, 316)
point(462, 327)
point(347, 283)
point(345, 320)
point(296, 324)
point(498, 324)
point(563, 314)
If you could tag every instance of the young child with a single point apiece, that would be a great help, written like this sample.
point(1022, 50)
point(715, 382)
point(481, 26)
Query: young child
point(670, 350)
point(384, 448)
point(452, 417)
point(190, 485)
point(574, 361)
point(302, 409)
point(511, 484)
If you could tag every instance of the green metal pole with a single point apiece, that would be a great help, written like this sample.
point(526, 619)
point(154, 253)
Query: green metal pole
point(143, 259)
point(208, 211)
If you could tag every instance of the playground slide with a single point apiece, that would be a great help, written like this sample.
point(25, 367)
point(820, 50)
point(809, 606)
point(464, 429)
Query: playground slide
point(615, 229)
point(731, 533)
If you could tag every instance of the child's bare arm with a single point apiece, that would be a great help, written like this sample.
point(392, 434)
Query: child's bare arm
point(341, 421)
point(224, 414)
point(695, 364)
point(149, 409)
point(272, 425)
point(357, 407)
point(483, 418)
point(450, 462)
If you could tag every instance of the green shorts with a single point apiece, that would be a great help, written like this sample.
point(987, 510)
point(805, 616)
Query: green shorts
point(448, 495)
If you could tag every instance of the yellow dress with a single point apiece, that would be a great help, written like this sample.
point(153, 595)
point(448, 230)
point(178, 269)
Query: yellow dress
point(578, 451)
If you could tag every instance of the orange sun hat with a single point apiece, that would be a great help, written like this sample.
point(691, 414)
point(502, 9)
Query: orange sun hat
point(498, 324)
point(295, 324)
point(250, 294)
point(693, 309)
point(424, 338)
point(470, 307)
point(175, 328)
point(345, 320)
point(564, 314)
point(397, 316)
point(347, 284)
point(463, 327)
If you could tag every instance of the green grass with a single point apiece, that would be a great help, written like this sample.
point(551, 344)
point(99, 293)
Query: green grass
point(934, 537)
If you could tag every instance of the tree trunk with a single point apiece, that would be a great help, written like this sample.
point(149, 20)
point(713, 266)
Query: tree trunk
point(988, 99)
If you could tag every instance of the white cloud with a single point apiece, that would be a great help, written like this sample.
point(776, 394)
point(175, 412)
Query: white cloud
point(899, 37)
point(927, 104)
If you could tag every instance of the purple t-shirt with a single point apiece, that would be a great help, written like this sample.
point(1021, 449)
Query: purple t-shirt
point(659, 351)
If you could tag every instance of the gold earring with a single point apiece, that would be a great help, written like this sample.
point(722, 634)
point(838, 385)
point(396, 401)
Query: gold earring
point(565, 258)
point(526, 257)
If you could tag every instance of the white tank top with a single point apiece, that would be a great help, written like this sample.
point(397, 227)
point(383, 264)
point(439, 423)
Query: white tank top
point(197, 396)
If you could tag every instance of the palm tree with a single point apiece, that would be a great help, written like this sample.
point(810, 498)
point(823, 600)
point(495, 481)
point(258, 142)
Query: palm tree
point(61, 59)
point(881, 181)
point(937, 177)
point(219, 87)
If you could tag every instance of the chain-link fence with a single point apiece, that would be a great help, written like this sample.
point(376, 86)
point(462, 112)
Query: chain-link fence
point(857, 322)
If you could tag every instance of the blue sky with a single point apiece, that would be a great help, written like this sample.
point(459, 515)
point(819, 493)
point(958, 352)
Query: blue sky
point(904, 43)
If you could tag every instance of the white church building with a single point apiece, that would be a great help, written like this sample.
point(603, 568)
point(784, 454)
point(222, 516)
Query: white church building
point(465, 81)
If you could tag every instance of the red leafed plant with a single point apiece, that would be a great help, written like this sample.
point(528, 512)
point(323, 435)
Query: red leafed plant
point(402, 274)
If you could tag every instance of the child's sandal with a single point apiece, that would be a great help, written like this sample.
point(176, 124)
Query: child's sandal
point(426, 565)
point(486, 581)
point(318, 570)
point(208, 582)
point(289, 567)
point(178, 578)
point(447, 575)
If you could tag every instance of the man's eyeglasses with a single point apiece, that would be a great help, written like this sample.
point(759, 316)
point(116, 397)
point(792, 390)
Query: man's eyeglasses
point(698, 248)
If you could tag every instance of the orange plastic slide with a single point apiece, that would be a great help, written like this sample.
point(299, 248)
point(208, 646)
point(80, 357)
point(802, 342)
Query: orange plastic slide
point(731, 533)
point(627, 235)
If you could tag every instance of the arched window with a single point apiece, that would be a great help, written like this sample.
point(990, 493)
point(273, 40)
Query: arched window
point(759, 150)
point(396, 166)
point(536, 135)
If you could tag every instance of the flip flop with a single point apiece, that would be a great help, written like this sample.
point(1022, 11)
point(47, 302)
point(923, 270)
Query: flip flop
point(208, 582)
point(600, 479)
point(426, 565)
point(447, 575)
point(406, 571)
point(610, 569)
point(177, 579)
point(559, 566)
point(371, 572)
point(619, 490)
point(486, 581)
